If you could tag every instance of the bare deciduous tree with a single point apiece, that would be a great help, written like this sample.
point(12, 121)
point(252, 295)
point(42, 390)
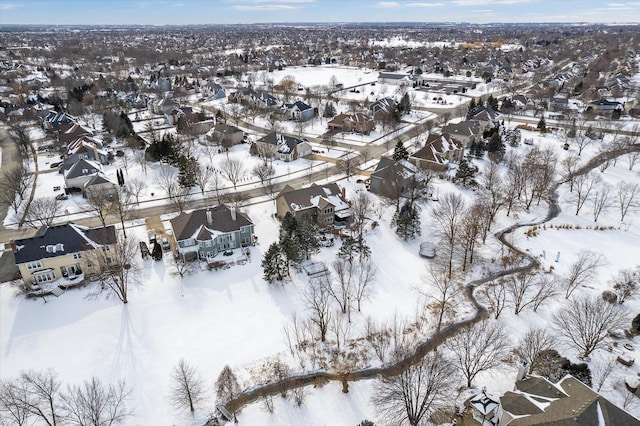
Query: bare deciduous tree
point(188, 389)
point(119, 268)
point(443, 290)
point(497, 295)
point(263, 171)
point(364, 278)
point(534, 341)
point(347, 164)
point(626, 197)
point(203, 176)
point(233, 169)
point(479, 348)
point(43, 211)
point(448, 214)
point(584, 322)
point(582, 271)
point(416, 393)
point(100, 200)
point(584, 185)
point(316, 297)
point(94, 404)
point(601, 369)
point(601, 200)
point(135, 187)
point(15, 183)
point(626, 284)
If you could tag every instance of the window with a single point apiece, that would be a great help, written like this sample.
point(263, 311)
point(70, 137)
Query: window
point(45, 277)
point(329, 220)
point(328, 210)
point(110, 260)
point(106, 248)
point(77, 255)
point(226, 238)
point(34, 265)
point(207, 243)
point(246, 241)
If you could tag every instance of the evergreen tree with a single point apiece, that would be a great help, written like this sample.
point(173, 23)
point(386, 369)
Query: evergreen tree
point(188, 169)
point(472, 108)
point(156, 253)
point(329, 110)
point(306, 237)
point(492, 103)
point(542, 125)
point(290, 249)
point(407, 222)
point(405, 104)
point(289, 224)
point(477, 149)
point(400, 152)
point(465, 175)
point(352, 247)
point(496, 148)
point(274, 264)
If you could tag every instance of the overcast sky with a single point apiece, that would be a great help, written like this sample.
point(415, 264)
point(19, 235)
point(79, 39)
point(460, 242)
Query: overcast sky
point(180, 12)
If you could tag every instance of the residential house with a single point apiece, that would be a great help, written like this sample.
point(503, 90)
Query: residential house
point(486, 116)
point(86, 148)
point(248, 96)
point(196, 122)
point(538, 401)
point(505, 73)
point(438, 151)
point(85, 174)
point(72, 131)
point(136, 100)
point(53, 120)
point(62, 251)
point(243, 95)
point(324, 204)
point(282, 147)
point(265, 100)
point(225, 135)
point(384, 105)
point(299, 111)
point(163, 106)
point(466, 132)
point(393, 177)
point(206, 232)
point(397, 79)
point(485, 408)
point(358, 123)
point(604, 107)
point(213, 91)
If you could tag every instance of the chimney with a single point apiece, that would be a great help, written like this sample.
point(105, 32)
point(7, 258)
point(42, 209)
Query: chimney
point(233, 213)
point(344, 193)
point(523, 370)
point(209, 217)
point(12, 243)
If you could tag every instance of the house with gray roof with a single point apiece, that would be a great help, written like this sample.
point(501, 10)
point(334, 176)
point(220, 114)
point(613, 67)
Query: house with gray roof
point(537, 401)
point(63, 252)
point(282, 147)
point(323, 204)
point(206, 232)
point(392, 178)
point(299, 111)
point(466, 132)
point(438, 152)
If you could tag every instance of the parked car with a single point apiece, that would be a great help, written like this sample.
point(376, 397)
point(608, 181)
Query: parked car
point(165, 244)
point(427, 249)
point(61, 197)
point(54, 165)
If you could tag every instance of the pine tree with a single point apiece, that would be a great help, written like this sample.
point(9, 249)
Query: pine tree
point(472, 108)
point(407, 222)
point(400, 152)
point(352, 247)
point(188, 168)
point(329, 110)
point(405, 104)
point(477, 149)
point(496, 148)
point(274, 264)
point(465, 175)
point(290, 248)
point(306, 237)
point(289, 224)
point(542, 125)
point(156, 253)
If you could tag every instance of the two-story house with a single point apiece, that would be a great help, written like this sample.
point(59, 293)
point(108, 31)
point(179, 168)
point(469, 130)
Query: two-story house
point(438, 152)
point(325, 204)
point(63, 251)
point(206, 232)
point(282, 147)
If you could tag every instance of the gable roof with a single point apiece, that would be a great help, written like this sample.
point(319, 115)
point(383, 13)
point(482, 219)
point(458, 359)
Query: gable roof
point(537, 401)
point(384, 104)
point(83, 168)
point(313, 196)
point(286, 144)
point(60, 240)
point(195, 225)
point(436, 146)
point(98, 179)
point(465, 128)
point(301, 106)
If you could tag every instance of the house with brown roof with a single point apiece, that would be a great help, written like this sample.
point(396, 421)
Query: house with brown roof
point(357, 122)
point(206, 232)
point(438, 151)
point(466, 132)
point(537, 401)
point(324, 204)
